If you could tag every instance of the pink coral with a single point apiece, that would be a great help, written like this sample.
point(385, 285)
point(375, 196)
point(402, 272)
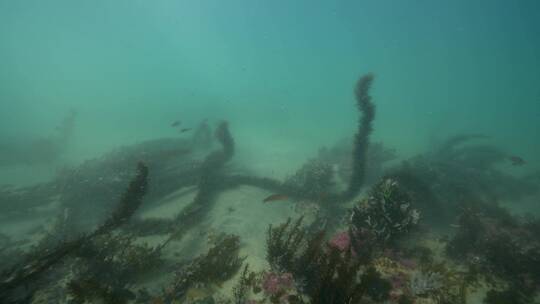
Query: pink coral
point(341, 241)
point(275, 283)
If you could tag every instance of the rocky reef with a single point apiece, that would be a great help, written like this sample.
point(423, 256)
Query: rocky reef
point(426, 230)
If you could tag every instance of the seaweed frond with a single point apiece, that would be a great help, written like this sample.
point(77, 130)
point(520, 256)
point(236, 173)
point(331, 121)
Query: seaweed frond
point(35, 264)
point(91, 291)
point(361, 138)
point(312, 180)
point(109, 265)
point(219, 264)
point(224, 136)
point(325, 273)
point(241, 289)
point(130, 201)
point(335, 281)
point(210, 183)
point(283, 245)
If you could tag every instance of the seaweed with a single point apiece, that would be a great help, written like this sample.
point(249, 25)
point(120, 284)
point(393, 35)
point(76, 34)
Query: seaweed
point(361, 139)
point(37, 263)
point(469, 233)
point(83, 291)
point(283, 245)
point(510, 295)
point(336, 282)
point(86, 189)
point(241, 289)
point(340, 158)
point(303, 184)
point(459, 172)
point(337, 277)
point(220, 263)
point(131, 200)
point(322, 272)
point(110, 264)
point(325, 273)
point(101, 178)
point(498, 250)
point(374, 286)
point(313, 179)
point(209, 185)
point(404, 299)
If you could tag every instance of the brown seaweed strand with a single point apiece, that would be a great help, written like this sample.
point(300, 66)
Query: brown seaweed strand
point(131, 200)
point(25, 273)
point(361, 139)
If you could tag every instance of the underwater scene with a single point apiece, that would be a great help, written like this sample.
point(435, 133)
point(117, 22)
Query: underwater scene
point(270, 152)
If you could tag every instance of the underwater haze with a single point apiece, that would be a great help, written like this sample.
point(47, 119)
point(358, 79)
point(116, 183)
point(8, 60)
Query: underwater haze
point(218, 118)
point(281, 72)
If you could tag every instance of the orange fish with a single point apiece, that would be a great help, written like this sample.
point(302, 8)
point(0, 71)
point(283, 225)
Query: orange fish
point(276, 197)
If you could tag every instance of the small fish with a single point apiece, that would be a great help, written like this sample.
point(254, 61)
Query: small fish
point(516, 160)
point(176, 123)
point(276, 197)
point(185, 130)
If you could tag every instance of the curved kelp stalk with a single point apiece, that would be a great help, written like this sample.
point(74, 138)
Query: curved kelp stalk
point(361, 145)
point(23, 274)
point(168, 179)
point(209, 186)
point(361, 139)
